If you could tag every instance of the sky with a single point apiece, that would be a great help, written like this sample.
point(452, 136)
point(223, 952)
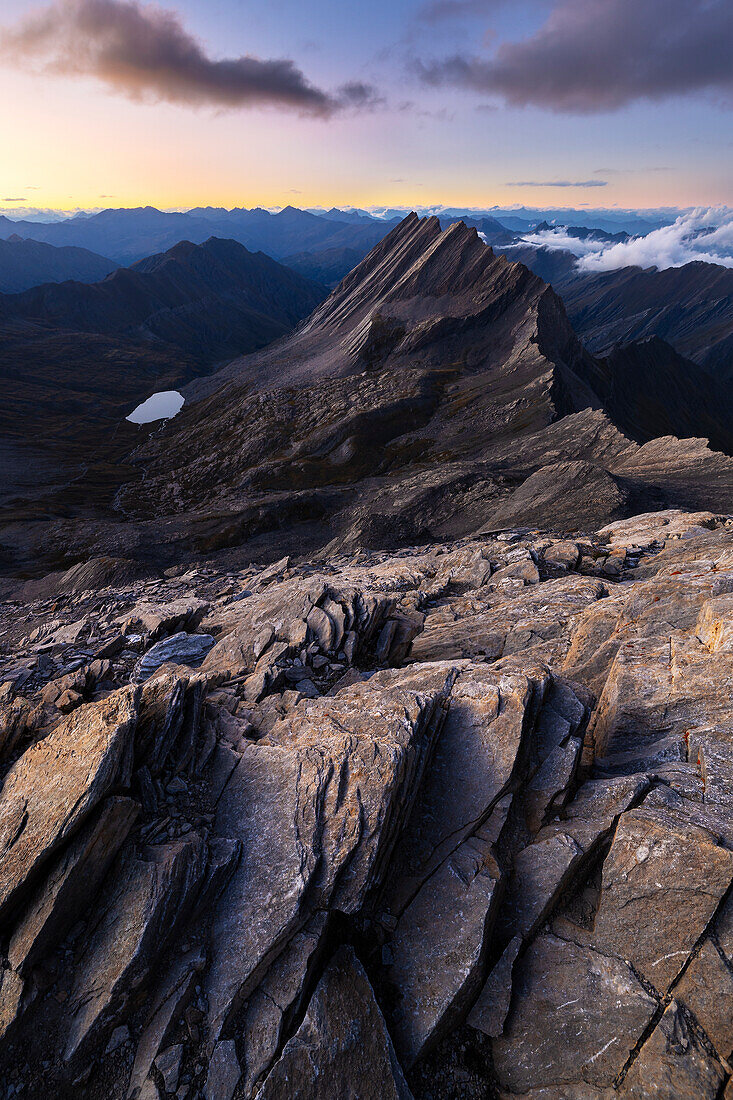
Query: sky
point(475, 103)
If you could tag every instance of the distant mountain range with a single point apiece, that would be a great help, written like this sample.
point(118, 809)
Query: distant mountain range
point(129, 235)
point(432, 383)
point(409, 404)
point(210, 300)
point(76, 358)
point(327, 266)
point(584, 233)
point(690, 307)
point(27, 263)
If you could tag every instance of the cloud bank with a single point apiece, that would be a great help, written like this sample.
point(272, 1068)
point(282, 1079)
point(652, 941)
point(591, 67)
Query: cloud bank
point(145, 53)
point(601, 55)
point(704, 234)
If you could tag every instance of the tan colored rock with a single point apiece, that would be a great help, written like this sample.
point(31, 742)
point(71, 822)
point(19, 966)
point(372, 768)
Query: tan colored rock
point(536, 617)
point(524, 571)
point(11, 1000)
point(563, 553)
point(293, 612)
point(461, 570)
point(70, 886)
point(715, 624)
point(660, 687)
point(649, 528)
point(663, 879)
point(156, 620)
point(57, 782)
point(673, 1063)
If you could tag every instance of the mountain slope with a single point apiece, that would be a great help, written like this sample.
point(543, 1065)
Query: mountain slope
point(210, 300)
point(691, 307)
point(653, 391)
point(26, 263)
point(328, 266)
point(428, 387)
point(75, 359)
point(555, 265)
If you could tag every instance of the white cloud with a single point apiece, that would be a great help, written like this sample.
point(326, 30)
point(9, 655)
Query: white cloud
point(705, 234)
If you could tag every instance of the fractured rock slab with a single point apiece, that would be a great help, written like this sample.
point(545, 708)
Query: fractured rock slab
point(490, 715)
point(576, 1015)
point(148, 898)
point(672, 1063)
point(318, 806)
point(706, 988)
point(56, 783)
point(663, 879)
point(65, 895)
point(490, 1011)
point(342, 1048)
point(276, 999)
point(440, 944)
point(167, 1002)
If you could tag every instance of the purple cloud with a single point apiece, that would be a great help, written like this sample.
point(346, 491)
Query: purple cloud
point(145, 53)
point(600, 55)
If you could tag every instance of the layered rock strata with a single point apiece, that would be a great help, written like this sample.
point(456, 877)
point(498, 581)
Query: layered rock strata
point(454, 821)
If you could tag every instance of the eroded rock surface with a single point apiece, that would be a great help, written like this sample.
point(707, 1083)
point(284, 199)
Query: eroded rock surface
point(454, 821)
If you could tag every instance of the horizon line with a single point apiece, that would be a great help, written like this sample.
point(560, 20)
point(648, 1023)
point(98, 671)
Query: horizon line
point(372, 209)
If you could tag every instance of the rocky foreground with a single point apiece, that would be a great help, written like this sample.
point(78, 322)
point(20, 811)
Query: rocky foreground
point(455, 821)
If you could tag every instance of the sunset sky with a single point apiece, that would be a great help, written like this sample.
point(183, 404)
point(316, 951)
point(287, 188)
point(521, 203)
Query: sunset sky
point(394, 102)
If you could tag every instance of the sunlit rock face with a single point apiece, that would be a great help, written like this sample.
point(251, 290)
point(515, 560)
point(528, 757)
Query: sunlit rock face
point(465, 806)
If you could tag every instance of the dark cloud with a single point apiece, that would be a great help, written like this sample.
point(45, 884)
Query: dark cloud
point(558, 183)
point(600, 55)
point(146, 54)
point(22, 199)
